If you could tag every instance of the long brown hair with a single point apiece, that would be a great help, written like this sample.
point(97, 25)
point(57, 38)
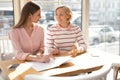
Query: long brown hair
point(28, 8)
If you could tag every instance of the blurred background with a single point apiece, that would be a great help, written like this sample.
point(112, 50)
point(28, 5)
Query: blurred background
point(98, 19)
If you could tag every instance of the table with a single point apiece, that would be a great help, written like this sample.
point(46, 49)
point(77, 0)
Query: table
point(109, 57)
point(83, 63)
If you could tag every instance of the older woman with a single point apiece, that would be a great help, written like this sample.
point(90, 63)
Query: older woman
point(62, 37)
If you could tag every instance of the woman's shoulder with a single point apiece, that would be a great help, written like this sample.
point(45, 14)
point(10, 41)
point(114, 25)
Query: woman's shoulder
point(74, 26)
point(38, 26)
point(16, 29)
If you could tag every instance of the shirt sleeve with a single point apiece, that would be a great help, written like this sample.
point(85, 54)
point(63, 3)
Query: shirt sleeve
point(49, 41)
point(14, 36)
point(80, 39)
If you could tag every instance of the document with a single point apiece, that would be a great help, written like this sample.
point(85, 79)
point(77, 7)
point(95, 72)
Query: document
point(53, 63)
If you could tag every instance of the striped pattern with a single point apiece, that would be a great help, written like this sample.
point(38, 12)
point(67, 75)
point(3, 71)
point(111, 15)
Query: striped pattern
point(64, 38)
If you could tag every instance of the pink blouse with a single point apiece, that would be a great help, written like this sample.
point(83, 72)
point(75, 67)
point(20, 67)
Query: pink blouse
point(24, 44)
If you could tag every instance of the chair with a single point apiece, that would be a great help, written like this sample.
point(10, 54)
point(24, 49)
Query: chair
point(116, 67)
point(100, 74)
point(6, 49)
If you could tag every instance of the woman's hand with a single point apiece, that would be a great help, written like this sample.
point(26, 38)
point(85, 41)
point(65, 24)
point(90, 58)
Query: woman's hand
point(51, 55)
point(38, 58)
point(56, 51)
point(73, 52)
point(38, 52)
point(43, 58)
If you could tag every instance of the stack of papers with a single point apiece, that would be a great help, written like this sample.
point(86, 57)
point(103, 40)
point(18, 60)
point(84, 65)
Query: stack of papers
point(53, 63)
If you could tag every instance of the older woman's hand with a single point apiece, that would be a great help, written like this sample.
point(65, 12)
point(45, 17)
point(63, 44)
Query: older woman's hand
point(73, 52)
point(56, 51)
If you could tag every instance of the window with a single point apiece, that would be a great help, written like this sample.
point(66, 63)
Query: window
point(48, 8)
point(103, 14)
point(107, 17)
point(6, 16)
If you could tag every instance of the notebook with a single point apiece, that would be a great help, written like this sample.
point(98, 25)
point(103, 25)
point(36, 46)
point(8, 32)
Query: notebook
point(53, 63)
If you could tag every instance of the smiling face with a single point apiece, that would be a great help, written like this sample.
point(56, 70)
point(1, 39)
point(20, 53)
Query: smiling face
point(36, 16)
point(62, 15)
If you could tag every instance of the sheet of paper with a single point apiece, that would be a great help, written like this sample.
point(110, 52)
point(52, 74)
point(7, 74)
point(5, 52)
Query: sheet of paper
point(53, 63)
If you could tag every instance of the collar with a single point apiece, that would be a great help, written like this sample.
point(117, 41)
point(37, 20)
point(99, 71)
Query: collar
point(68, 28)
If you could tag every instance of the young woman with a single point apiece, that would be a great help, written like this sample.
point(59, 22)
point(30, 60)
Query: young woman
point(62, 37)
point(27, 36)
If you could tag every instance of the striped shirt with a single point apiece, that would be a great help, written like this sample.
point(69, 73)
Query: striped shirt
point(64, 38)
